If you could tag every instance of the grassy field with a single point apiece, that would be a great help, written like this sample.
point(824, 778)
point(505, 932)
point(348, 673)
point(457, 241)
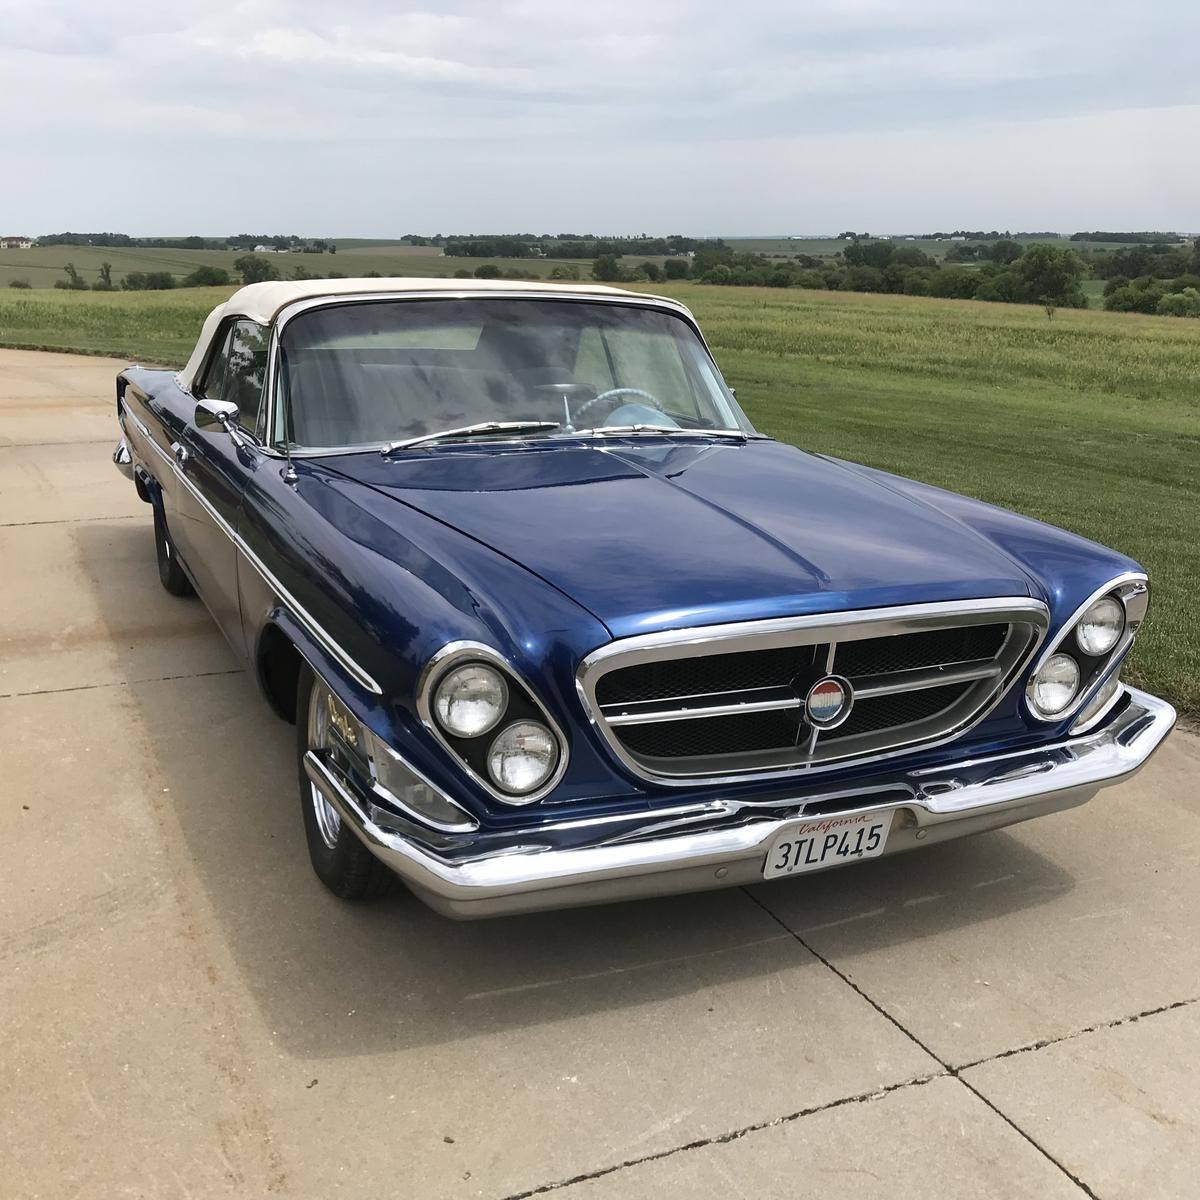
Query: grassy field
point(1090, 420)
point(41, 266)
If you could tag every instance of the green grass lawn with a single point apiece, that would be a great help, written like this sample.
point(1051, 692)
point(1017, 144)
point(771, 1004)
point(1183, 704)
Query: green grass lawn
point(1089, 420)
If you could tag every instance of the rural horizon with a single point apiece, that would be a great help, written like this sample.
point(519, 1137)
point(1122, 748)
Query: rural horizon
point(1151, 271)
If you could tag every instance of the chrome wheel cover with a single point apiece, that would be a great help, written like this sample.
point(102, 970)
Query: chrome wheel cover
point(329, 821)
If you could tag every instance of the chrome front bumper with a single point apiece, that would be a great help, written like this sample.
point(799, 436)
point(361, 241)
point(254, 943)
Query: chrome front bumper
point(663, 853)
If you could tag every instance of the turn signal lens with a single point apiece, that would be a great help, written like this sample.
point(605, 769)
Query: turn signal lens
point(1096, 705)
point(470, 700)
point(522, 757)
point(1100, 628)
point(1053, 688)
point(411, 791)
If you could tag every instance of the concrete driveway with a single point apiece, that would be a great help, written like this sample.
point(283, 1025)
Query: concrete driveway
point(188, 1013)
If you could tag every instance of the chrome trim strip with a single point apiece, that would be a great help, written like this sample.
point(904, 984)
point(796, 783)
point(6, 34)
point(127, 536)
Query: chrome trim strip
point(814, 628)
point(1127, 586)
point(780, 631)
point(914, 681)
point(712, 710)
point(526, 877)
point(301, 614)
point(436, 667)
point(887, 684)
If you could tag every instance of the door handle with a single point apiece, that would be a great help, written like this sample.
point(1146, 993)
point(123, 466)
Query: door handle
point(181, 453)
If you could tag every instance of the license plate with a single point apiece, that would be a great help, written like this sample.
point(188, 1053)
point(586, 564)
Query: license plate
point(828, 842)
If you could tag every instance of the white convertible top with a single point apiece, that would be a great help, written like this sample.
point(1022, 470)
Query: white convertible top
point(262, 302)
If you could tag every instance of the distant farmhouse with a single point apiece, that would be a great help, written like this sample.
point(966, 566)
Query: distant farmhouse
point(19, 242)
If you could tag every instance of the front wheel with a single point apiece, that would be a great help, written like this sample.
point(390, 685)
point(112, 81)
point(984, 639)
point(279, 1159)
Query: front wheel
point(341, 862)
point(170, 572)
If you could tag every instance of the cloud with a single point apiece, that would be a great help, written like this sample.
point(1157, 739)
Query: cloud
point(398, 116)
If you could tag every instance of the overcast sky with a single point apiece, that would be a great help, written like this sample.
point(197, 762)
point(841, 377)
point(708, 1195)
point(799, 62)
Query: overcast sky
point(377, 118)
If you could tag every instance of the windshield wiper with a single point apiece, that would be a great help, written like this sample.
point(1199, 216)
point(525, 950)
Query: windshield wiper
point(469, 431)
point(597, 430)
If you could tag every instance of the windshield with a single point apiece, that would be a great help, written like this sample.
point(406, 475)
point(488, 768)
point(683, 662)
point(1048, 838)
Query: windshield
point(373, 373)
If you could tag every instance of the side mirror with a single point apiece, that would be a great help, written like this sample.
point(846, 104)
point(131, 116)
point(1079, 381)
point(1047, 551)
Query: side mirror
point(216, 416)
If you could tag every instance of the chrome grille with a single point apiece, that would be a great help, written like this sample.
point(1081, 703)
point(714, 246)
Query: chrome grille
point(728, 700)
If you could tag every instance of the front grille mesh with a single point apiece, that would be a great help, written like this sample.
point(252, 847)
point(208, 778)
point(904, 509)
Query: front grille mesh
point(900, 695)
point(741, 733)
point(710, 674)
point(937, 647)
point(873, 713)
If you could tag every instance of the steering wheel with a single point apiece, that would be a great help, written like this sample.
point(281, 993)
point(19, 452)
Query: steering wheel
point(612, 394)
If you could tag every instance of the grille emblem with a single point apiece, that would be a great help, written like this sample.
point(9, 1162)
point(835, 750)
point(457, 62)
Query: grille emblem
point(828, 702)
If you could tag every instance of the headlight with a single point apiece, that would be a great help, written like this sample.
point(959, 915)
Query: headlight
point(470, 700)
point(522, 757)
point(1053, 688)
point(1100, 628)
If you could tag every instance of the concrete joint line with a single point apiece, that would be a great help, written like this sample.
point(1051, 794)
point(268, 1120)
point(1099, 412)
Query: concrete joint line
point(721, 1139)
point(77, 442)
point(1078, 1033)
point(120, 683)
point(947, 1069)
point(69, 521)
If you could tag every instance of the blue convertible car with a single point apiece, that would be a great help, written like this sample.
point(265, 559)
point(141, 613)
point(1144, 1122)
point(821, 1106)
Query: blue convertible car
point(557, 626)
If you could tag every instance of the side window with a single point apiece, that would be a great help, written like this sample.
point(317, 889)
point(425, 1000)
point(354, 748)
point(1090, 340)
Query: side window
point(238, 370)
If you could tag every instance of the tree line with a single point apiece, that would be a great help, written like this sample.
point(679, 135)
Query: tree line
point(561, 245)
point(1166, 279)
point(238, 241)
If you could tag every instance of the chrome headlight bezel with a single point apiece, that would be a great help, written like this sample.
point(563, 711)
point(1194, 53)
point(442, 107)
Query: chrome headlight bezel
point(1132, 591)
point(471, 753)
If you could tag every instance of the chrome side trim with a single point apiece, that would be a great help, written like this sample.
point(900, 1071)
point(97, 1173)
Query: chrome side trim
point(815, 628)
point(1132, 588)
point(436, 667)
point(301, 614)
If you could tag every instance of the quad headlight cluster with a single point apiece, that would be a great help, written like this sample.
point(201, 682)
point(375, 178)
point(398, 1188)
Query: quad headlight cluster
point(495, 726)
point(1084, 654)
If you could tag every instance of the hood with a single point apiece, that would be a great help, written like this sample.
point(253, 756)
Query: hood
point(655, 535)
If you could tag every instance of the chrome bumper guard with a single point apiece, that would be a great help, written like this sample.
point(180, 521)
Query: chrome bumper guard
point(668, 852)
point(122, 459)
